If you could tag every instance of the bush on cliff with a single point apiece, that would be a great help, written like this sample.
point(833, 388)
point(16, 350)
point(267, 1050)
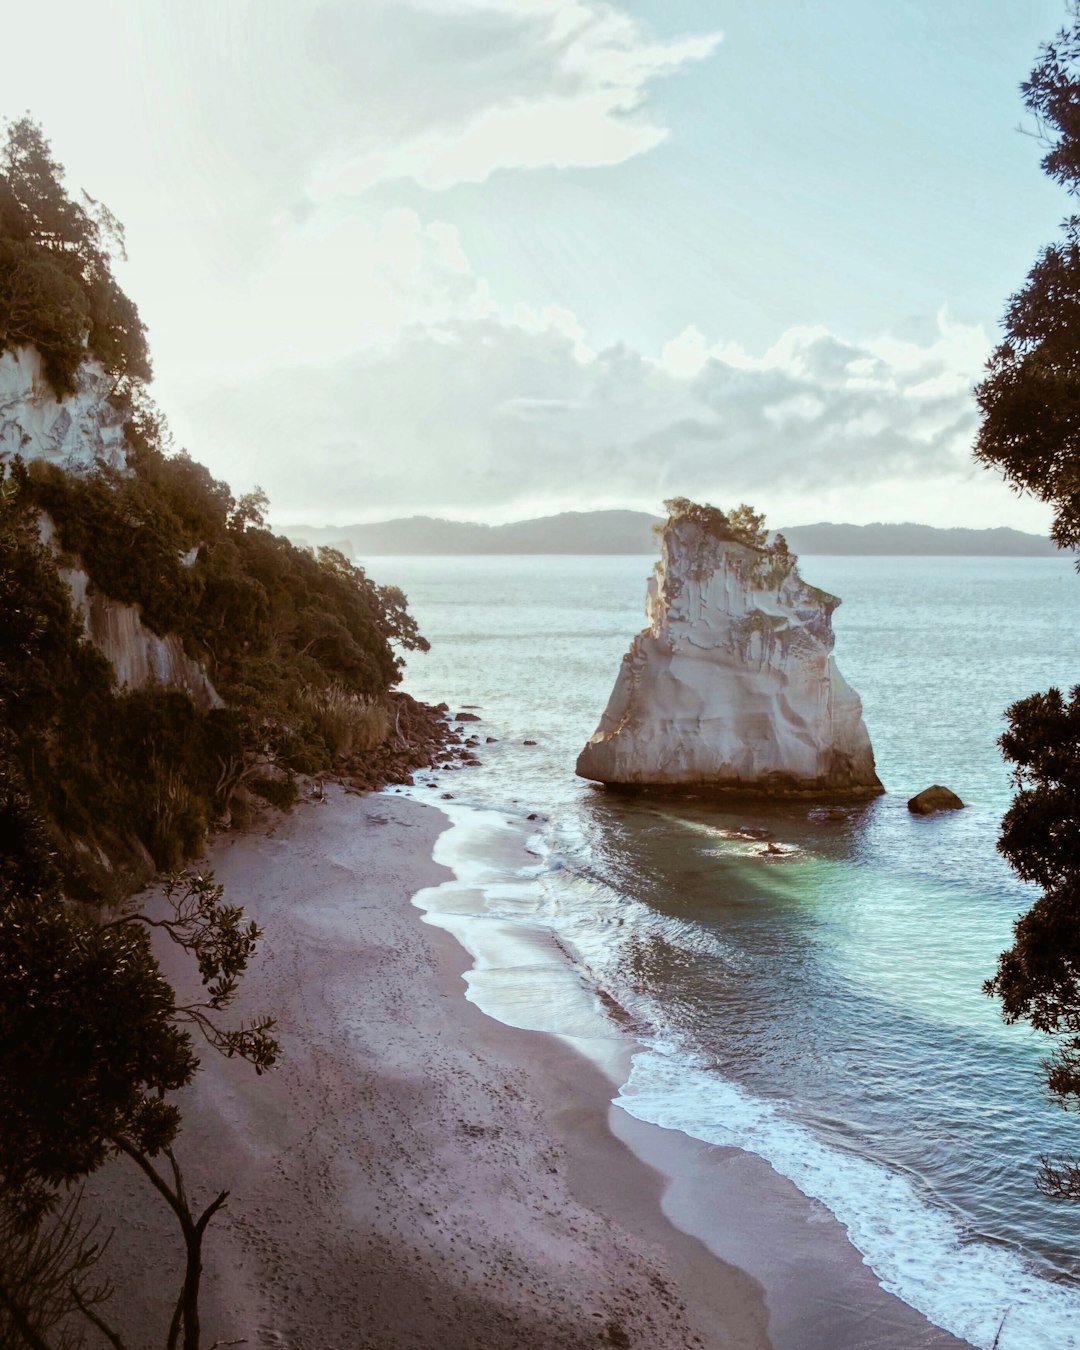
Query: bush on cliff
point(57, 290)
point(303, 647)
point(98, 786)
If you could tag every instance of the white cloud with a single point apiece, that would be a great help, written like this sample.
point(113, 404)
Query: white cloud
point(490, 418)
point(489, 85)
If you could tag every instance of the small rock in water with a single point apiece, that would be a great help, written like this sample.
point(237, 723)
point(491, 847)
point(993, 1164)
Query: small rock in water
point(491, 740)
point(448, 796)
point(466, 717)
point(936, 798)
point(528, 742)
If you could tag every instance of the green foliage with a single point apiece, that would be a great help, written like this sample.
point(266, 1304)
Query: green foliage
point(279, 792)
point(710, 518)
point(57, 291)
point(97, 785)
point(303, 647)
point(92, 1040)
point(347, 723)
point(87, 1040)
point(1030, 432)
point(1038, 979)
point(1030, 398)
point(748, 526)
point(222, 944)
point(743, 525)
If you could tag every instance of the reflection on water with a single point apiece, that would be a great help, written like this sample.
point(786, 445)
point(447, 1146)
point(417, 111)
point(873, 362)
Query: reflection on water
point(833, 978)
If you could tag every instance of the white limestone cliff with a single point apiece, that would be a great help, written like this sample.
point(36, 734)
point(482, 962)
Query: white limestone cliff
point(73, 432)
point(733, 683)
point(137, 654)
point(76, 433)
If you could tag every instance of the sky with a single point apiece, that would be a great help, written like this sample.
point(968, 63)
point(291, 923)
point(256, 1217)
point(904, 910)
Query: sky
point(491, 259)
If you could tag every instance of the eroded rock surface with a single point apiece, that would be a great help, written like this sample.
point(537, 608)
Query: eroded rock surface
point(78, 433)
point(733, 683)
point(73, 432)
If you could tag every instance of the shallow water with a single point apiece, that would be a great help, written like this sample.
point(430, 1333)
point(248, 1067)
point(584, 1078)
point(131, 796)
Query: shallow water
point(821, 1008)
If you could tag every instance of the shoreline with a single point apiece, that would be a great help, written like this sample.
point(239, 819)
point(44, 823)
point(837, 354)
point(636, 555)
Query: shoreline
point(414, 1174)
point(820, 1292)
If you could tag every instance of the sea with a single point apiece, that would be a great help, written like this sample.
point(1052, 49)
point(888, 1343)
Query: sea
point(818, 1004)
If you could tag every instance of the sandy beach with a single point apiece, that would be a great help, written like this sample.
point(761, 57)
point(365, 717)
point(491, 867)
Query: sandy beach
point(416, 1174)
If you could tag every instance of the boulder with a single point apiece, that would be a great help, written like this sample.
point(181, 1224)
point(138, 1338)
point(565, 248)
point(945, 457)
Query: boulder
point(732, 684)
point(936, 798)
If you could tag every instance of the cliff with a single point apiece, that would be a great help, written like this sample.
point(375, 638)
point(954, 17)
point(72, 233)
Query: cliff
point(73, 432)
point(733, 683)
point(138, 656)
point(78, 433)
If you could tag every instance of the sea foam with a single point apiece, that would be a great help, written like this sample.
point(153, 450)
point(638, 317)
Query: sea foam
point(915, 1248)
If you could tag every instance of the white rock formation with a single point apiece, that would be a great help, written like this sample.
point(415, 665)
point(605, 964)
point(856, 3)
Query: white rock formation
point(733, 683)
point(73, 432)
point(136, 653)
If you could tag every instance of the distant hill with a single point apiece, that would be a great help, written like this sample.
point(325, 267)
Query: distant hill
point(632, 532)
point(571, 532)
point(867, 540)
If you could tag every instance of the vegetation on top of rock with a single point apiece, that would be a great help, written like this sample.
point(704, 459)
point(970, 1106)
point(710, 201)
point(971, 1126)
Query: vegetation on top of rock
point(57, 290)
point(743, 525)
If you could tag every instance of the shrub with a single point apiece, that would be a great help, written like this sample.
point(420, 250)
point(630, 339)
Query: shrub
point(348, 723)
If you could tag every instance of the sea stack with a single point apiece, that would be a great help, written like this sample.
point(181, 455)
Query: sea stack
point(732, 684)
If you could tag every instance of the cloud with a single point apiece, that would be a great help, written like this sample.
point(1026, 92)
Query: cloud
point(474, 86)
point(491, 418)
point(277, 119)
point(343, 281)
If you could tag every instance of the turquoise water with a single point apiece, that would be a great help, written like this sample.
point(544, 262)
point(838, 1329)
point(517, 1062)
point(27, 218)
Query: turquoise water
point(823, 1008)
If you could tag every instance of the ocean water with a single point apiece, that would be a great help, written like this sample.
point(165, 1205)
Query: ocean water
point(821, 1008)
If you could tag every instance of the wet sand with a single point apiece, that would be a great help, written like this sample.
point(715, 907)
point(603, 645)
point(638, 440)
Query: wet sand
point(414, 1174)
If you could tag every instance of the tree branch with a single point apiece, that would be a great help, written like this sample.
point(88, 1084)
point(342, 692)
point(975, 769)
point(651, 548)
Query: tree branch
point(97, 1320)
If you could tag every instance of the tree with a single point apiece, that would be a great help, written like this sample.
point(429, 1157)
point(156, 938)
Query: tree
point(1038, 978)
point(57, 290)
point(1030, 399)
point(46, 1269)
point(1030, 432)
point(92, 1040)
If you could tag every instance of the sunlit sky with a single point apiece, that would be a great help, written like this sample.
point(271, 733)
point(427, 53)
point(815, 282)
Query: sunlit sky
point(488, 259)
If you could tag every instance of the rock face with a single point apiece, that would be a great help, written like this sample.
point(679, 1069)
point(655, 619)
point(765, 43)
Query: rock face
point(73, 432)
point(732, 684)
point(936, 798)
point(137, 655)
